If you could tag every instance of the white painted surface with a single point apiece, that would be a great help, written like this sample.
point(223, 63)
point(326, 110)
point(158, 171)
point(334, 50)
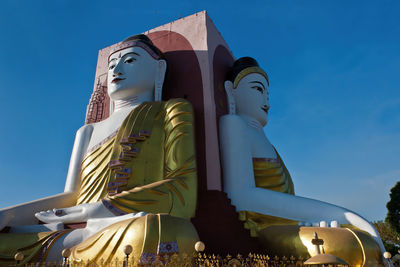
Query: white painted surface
point(241, 140)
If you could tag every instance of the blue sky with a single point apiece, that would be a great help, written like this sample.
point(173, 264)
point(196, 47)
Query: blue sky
point(333, 67)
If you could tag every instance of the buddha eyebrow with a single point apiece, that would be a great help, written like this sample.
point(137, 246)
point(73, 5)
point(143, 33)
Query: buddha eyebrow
point(136, 54)
point(259, 83)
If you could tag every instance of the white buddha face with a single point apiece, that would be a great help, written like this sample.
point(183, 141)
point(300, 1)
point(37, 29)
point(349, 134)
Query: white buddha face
point(252, 98)
point(131, 72)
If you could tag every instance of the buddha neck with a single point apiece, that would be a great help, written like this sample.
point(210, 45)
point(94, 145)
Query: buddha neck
point(132, 101)
point(253, 123)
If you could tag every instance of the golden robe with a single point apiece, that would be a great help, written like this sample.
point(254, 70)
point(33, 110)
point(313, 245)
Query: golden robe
point(147, 165)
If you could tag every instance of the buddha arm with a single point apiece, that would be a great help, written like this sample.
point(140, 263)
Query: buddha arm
point(240, 186)
point(176, 192)
point(82, 139)
point(23, 214)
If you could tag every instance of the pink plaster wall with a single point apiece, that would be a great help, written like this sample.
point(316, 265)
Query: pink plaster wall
point(198, 35)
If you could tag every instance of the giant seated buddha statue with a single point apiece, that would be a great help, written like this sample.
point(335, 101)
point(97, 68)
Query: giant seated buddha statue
point(131, 179)
point(259, 185)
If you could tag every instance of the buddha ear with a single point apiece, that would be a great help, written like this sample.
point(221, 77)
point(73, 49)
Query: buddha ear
point(230, 93)
point(159, 81)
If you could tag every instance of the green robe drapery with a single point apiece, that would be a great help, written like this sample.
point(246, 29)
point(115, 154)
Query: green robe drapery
point(148, 166)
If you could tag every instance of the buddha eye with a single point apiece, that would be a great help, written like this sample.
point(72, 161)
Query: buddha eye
point(110, 67)
point(129, 60)
point(258, 88)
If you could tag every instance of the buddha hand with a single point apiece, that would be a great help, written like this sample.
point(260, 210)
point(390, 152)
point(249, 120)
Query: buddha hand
point(75, 214)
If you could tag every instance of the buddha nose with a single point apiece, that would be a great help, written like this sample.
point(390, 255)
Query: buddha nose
point(117, 73)
point(266, 101)
point(117, 69)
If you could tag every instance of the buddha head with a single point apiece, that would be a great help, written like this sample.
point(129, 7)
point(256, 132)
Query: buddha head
point(247, 90)
point(136, 68)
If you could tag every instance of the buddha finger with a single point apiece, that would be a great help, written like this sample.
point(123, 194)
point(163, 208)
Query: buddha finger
point(46, 216)
point(74, 218)
point(51, 217)
point(58, 212)
point(140, 214)
point(334, 224)
point(66, 211)
point(45, 212)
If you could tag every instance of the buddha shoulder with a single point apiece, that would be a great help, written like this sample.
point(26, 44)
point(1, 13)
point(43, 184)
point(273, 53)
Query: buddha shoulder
point(178, 106)
point(85, 130)
point(232, 122)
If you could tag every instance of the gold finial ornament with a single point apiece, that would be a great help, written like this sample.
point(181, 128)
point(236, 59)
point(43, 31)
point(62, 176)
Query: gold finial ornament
point(19, 256)
point(128, 249)
point(199, 246)
point(317, 242)
point(387, 255)
point(66, 253)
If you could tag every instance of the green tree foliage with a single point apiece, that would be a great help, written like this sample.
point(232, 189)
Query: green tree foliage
point(390, 238)
point(393, 207)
